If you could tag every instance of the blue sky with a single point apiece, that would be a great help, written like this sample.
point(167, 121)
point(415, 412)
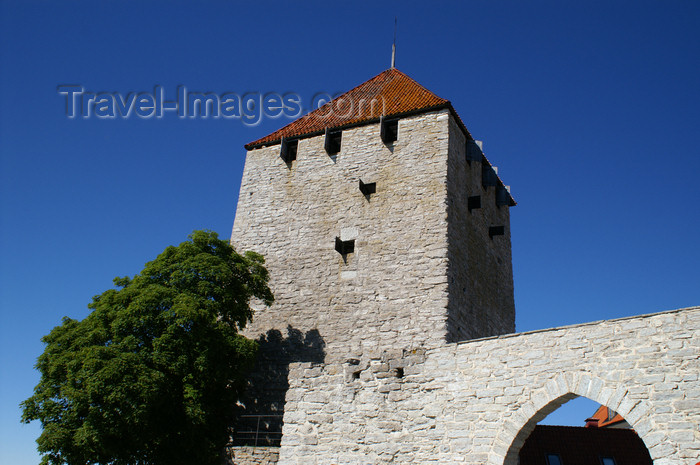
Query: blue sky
point(591, 111)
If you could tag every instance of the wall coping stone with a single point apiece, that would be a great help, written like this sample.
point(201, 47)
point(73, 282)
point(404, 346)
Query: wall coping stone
point(575, 325)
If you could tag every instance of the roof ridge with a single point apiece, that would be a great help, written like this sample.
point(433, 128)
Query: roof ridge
point(417, 83)
point(388, 70)
point(360, 85)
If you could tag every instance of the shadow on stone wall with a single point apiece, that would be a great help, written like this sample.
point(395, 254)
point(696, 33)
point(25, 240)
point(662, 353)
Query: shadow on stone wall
point(259, 418)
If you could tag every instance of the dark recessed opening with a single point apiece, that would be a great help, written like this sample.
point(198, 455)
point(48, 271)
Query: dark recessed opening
point(488, 175)
point(332, 144)
point(502, 196)
point(473, 152)
point(288, 151)
point(473, 202)
point(389, 130)
point(356, 375)
point(497, 231)
point(398, 372)
point(369, 188)
point(344, 247)
point(353, 361)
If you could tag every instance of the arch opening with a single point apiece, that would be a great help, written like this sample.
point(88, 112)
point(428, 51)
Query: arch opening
point(542, 401)
point(595, 434)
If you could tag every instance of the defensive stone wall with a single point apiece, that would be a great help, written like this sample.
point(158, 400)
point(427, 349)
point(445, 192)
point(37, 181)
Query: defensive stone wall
point(365, 354)
point(476, 402)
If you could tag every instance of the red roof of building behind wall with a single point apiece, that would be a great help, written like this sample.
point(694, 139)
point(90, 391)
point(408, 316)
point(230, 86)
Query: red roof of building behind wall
point(607, 417)
point(390, 93)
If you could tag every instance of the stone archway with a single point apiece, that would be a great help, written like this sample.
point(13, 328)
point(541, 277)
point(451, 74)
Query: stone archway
point(561, 389)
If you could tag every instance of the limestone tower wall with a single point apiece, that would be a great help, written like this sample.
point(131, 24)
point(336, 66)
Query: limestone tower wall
point(424, 268)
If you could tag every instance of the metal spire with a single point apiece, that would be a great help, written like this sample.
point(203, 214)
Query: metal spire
point(393, 47)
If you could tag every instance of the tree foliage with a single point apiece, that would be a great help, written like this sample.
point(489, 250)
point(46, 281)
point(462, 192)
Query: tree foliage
point(151, 375)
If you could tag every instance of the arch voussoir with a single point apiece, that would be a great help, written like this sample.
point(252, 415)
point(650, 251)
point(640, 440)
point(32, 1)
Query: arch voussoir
point(566, 386)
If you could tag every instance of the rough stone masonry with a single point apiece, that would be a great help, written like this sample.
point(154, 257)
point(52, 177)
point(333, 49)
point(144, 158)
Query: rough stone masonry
point(400, 350)
point(414, 278)
point(476, 402)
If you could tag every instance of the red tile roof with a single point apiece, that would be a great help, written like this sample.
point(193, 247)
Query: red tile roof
point(584, 446)
point(603, 417)
point(390, 93)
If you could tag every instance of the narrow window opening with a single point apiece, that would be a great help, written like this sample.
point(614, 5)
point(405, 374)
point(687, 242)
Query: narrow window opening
point(356, 375)
point(473, 202)
point(332, 144)
point(398, 372)
point(368, 188)
point(496, 231)
point(288, 151)
point(389, 130)
point(344, 247)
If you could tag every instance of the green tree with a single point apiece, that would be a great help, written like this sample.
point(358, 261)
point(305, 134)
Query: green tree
point(152, 374)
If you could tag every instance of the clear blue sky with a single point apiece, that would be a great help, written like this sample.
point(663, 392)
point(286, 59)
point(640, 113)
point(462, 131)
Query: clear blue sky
point(591, 111)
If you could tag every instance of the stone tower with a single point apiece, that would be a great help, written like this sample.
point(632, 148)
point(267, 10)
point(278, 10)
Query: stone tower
point(382, 223)
point(386, 232)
